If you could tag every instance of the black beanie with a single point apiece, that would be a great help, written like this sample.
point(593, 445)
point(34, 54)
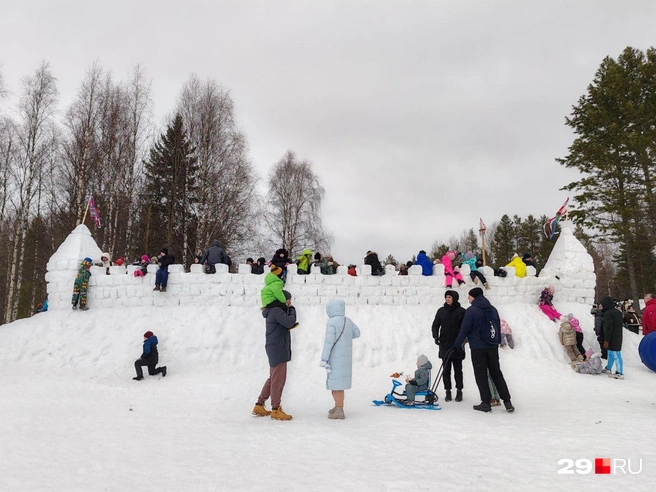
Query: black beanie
point(317, 256)
point(165, 251)
point(475, 292)
point(454, 295)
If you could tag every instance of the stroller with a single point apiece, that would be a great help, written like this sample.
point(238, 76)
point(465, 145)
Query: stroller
point(430, 395)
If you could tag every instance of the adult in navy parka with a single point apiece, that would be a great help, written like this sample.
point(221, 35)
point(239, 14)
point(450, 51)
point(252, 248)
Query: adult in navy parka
point(485, 356)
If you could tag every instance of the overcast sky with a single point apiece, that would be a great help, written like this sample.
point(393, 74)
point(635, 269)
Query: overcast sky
point(419, 116)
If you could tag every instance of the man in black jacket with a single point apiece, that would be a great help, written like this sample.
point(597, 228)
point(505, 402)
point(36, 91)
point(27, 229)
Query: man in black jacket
point(613, 337)
point(214, 254)
point(280, 319)
point(162, 275)
point(446, 326)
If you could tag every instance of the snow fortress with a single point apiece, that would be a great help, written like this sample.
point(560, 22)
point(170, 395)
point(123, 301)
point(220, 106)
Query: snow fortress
point(569, 268)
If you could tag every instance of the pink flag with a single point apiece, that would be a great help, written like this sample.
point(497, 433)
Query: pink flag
point(93, 213)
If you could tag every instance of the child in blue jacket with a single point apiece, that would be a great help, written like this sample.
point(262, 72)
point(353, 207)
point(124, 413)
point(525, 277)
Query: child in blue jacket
point(149, 357)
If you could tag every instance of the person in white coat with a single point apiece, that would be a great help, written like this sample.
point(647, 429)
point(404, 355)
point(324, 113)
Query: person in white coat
point(337, 355)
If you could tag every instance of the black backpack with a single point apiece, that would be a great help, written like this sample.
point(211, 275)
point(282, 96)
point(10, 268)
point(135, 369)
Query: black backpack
point(491, 331)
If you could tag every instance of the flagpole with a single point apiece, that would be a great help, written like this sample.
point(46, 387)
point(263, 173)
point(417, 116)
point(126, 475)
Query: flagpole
point(481, 230)
point(85, 212)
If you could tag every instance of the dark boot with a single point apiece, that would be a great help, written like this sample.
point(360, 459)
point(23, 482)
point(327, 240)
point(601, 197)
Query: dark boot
point(163, 289)
point(448, 396)
point(483, 407)
point(137, 378)
point(459, 395)
point(164, 371)
point(509, 407)
point(156, 288)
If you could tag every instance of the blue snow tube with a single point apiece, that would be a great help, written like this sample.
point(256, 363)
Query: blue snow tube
point(647, 350)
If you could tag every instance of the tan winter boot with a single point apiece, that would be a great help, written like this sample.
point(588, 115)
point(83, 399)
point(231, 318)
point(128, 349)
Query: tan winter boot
point(475, 280)
point(338, 414)
point(278, 414)
point(487, 286)
point(261, 411)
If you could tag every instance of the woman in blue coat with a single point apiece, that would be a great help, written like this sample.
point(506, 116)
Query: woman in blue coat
point(337, 356)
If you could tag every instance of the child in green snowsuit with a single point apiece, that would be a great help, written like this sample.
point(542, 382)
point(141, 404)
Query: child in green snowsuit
point(80, 285)
point(272, 290)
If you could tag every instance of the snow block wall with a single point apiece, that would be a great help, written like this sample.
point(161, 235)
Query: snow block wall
point(569, 268)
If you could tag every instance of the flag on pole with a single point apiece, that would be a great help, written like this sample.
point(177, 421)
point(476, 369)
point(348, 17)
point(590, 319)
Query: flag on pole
point(93, 212)
point(550, 228)
point(481, 225)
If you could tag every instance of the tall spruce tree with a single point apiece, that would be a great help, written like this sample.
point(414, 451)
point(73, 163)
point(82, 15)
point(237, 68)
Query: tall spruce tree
point(614, 150)
point(171, 174)
point(503, 245)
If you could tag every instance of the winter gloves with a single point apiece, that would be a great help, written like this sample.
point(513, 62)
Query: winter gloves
point(326, 366)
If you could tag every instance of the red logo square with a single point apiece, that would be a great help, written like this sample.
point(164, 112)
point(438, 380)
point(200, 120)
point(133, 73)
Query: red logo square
point(602, 466)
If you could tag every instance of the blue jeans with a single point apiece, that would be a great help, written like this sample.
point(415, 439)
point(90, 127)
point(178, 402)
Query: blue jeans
point(162, 277)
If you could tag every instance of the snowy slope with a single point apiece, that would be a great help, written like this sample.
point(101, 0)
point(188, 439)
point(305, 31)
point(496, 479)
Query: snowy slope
point(71, 418)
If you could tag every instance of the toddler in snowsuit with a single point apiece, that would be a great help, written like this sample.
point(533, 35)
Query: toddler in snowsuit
point(567, 337)
point(421, 380)
point(143, 266)
point(449, 272)
point(592, 364)
point(506, 334)
point(272, 293)
point(576, 326)
point(80, 285)
point(149, 357)
point(546, 304)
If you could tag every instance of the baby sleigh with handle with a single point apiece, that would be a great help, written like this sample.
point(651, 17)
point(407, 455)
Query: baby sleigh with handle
point(429, 402)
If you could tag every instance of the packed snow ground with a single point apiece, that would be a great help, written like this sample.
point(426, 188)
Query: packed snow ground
point(72, 418)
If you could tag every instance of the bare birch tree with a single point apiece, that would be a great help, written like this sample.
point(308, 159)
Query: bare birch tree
point(226, 181)
point(293, 209)
point(36, 109)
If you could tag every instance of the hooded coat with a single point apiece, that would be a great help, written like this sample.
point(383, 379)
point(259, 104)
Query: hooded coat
point(149, 352)
point(372, 259)
point(278, 346)
point(422, 377)
point(338, 346)
point(591, 366)
point(446, 324)
point(426, 264)
point(272, 290)
point(257, 268)
point(520, 266)
point(304, 260)
point(566, 334)
point(215, 254)
point(474, 323)
point(649, 317)
point(612, 324)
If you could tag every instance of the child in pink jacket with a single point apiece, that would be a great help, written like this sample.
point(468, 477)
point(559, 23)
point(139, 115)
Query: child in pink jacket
point(447, 261)
point(506, 334)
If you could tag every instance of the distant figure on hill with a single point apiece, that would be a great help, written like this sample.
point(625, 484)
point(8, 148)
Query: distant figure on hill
point(149, 357)
point(331, 265)
point(162, 276)
point(474, 264)
point(445, 329)
point(280, 319)
point(425, 263)
point(105, 262)
point(449, 271)
point(352, 270)
point(481, 326)
point(213, 255)
point(337, 355)
point(506, 334)
point(632, 320)
point(649, 315)
point(546, 304)
point(303, 262)
point(281, 259)
point(371, 259)
point(403, 270)
point(519, 265)
point(257, 268)
point(528, 261)
point(613, 338)
point(143, 266)
point(80, 285)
